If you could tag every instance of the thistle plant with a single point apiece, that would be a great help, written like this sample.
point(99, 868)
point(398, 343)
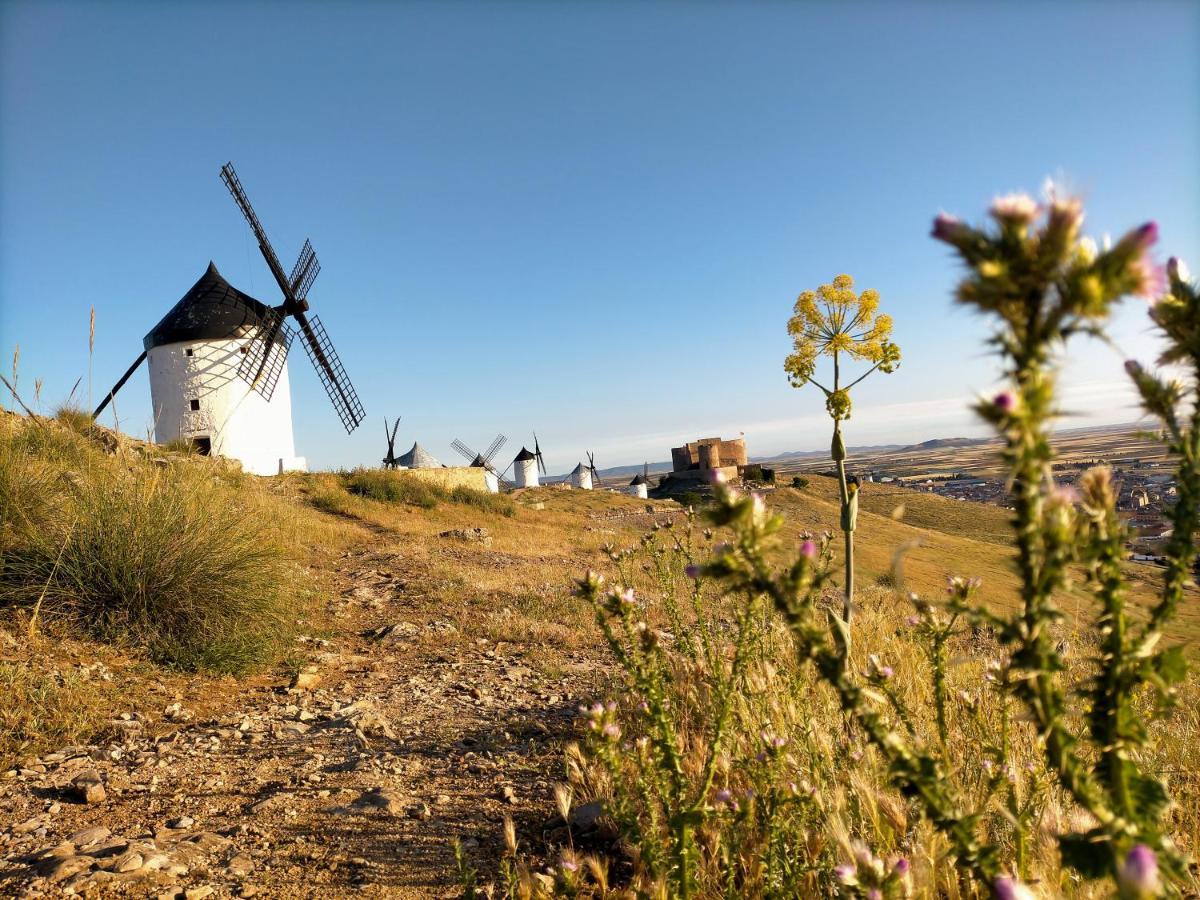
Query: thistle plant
point(1042, 283)
point(835, 322)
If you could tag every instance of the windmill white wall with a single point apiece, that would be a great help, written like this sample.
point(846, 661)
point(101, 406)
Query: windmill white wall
point(639, 490)
point(492, 482)
point(525, 470)
point(239, 422)
point(581, 478)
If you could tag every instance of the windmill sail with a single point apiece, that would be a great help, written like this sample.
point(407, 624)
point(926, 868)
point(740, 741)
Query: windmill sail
point(262, 369)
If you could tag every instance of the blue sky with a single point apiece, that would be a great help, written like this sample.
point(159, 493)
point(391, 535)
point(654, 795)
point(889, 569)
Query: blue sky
point(585, 219)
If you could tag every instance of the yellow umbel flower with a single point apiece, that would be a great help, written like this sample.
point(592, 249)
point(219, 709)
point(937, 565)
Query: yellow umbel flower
point(831, 321)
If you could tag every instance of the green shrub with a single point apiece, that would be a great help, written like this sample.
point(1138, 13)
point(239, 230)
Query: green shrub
point(491, 503)
point(393, 487)
point(799, 482)
point(75, 418)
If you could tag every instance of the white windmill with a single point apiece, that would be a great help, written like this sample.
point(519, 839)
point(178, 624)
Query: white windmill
point(525, 469)
point(640, 486)
point(218, 362)
point(580, 478)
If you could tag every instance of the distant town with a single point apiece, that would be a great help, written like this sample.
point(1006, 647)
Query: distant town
point(967, 470)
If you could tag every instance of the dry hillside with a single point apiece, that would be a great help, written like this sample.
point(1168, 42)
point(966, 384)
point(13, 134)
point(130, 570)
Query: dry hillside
point(421, 680)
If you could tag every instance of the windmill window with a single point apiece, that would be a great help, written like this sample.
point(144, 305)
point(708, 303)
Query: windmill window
point(188, 352)
point(194, 403)
point(246, 349)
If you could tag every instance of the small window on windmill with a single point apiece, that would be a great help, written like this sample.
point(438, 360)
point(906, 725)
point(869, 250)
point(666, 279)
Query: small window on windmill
point(202, 445)
point(194, 403)
point(246, 348)
point(187, 352)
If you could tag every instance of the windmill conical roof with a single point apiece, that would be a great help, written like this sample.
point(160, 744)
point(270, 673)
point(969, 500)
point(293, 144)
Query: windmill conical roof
point(478, 462)
point(212, 310)
point(524, 455)
point(419, 458)
point(578, 470)
point(640, 479)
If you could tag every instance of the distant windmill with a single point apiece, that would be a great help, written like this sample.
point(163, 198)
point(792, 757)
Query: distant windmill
point(592, 468)
point(483, 460)
point(217, 358)
point(641, 483)
point(390, 461)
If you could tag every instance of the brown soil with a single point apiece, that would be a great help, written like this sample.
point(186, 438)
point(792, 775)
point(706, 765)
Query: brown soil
point(418, 719)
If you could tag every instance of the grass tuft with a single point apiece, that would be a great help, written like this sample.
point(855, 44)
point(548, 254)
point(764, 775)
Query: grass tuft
point(174, 561)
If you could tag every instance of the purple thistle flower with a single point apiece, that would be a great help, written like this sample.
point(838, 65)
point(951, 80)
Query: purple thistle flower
point(1133, 368)
point(1139, 874)
point(692, 571)
point(1005, 401)
point(948, 228)
point(846, 873)
point(1007, 888)
point(901, 866)
point(1020, 209)
point(808, 549)
point(1144, 236)
point(722, 797)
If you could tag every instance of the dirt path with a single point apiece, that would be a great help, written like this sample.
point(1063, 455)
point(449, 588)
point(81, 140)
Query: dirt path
point(404, 735)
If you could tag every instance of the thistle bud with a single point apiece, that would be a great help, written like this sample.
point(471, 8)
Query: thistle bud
point(949, 229)
point(1139, 875)
point(1178, 271)
point(1015, 209)
point(1005, 401)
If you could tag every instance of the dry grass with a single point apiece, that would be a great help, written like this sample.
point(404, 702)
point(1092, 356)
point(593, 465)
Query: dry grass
point(190, 561)
point(935, 538)
point(45, 709)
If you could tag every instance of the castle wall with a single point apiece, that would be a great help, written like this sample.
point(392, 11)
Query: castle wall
point(451, 477)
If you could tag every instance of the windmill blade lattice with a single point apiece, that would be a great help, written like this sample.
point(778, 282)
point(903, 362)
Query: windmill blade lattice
point(333, 375)
point(494, 447)
point(267, 351)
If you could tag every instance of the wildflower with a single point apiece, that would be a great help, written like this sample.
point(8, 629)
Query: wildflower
point(1005, 401)
point(901, 866)
point(567, 864)
point(1177, 270)
point(846, 874)
point(808, 549)
point(834, 320)
point(1139, 875)
point(1015, 209)
point(612, 731)
point(1007, 888)
point(1133, 368)
point(692, 571)
point(874, 894)
point(949, 228)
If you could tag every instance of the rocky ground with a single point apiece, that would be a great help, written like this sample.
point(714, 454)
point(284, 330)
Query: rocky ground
point(399, 734)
